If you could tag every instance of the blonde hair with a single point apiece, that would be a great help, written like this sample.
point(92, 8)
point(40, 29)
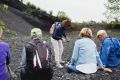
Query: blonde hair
point(86, 32)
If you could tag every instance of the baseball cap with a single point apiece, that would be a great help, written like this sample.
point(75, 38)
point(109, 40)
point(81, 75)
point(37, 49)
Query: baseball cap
point(100, 32)
point(36, 31)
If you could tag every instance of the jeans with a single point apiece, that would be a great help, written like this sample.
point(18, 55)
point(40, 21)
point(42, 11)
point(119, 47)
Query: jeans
point(72, 68)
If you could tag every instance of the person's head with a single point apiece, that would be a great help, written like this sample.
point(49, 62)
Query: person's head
point(86, 32)
point(1, 32)
point(36, 33)
point(101, 34)
point(66, 23)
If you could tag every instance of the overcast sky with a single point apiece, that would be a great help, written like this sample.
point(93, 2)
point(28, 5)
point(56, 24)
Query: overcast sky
point(77, 10)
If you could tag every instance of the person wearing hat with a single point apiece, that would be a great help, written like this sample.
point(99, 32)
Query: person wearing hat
point(58, 32)
point(4, 57)
point(27, 62)
point(107, 52)
point(85, 57)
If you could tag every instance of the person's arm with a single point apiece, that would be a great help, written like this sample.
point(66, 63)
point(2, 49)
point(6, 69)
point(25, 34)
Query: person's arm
point(75, 53)
point(105, 52)
point(65, 37)
point(99, 62)
point(64, 34)
point(23, 59)
point(8, 56)
point(52, 28)
point(100, 65)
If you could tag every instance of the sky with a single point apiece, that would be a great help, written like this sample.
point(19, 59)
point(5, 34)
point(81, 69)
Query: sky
point(76, 10)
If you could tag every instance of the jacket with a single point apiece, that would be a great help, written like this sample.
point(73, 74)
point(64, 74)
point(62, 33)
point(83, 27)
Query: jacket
point(85, 52)
point(59, 31)
point(4, 59)
point(107, 53)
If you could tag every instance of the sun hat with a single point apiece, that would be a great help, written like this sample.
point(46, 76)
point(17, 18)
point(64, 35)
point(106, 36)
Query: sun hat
point(36, 31)
point(101, 32)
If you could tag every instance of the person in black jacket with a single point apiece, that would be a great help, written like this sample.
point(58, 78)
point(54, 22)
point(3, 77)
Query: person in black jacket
point(30, 69)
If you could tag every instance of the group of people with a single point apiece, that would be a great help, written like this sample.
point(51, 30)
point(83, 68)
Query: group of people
point(85, 58)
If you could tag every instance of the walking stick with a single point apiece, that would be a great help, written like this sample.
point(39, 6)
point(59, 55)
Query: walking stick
point(12, 74)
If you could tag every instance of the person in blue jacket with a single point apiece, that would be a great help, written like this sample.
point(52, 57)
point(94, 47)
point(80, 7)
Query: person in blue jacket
point(58, 31)
point(4, 57)
point(108, 54)
point(85, 57)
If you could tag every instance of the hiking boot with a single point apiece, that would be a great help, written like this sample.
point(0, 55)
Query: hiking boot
point(59, 65)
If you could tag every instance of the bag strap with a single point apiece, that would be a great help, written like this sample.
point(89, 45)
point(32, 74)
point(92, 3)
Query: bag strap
point(56, 23)
point(36, 58)
point(112, 41)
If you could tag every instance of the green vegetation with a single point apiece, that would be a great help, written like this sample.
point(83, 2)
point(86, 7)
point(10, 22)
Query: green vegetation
point(10, 32)
point(62, 15)
point(5, 7)
point(2, 24)
point(7, 31)
point(113, 10)
point(32, 8)
point(46, 37)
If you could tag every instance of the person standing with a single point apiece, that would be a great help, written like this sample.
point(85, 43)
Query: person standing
point(35, 61)
point(58, 31)
point(4, 57)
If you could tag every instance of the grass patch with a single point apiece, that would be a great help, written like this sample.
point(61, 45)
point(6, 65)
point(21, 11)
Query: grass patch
point(10, 32)
point(46, 37)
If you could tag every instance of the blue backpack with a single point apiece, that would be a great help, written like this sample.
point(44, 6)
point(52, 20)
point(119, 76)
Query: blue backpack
point(116, 44)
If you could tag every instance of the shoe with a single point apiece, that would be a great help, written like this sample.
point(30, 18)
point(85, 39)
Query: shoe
point(59, 65)
point(62, 62)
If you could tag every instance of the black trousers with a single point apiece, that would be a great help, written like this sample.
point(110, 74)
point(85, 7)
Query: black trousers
point(37, 74)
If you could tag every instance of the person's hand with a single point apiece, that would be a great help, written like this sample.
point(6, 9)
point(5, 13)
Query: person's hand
point(67, 39)
point(107, 70)
point(63, 39)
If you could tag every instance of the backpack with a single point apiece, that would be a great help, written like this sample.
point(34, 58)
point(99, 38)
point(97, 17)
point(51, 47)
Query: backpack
point(41, 65)
point(53, 27)
point(116, 44)
point(41, 55)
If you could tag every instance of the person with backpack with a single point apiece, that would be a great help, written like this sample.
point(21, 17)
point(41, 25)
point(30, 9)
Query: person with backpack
point(85, 57)
point(36, 63)
point(110, 50)
point(58, 31)
point(4, 57)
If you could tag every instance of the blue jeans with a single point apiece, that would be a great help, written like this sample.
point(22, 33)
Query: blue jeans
point(72, 68)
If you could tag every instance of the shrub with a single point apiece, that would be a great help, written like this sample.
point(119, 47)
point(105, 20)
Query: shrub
point(2, 24)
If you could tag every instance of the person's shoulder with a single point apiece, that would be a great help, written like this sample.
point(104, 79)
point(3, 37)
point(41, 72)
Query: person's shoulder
point(107, 40)
point(78, 41)
point(4, 43)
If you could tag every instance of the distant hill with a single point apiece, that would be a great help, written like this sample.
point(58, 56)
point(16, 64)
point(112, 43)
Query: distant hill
point(16, 18)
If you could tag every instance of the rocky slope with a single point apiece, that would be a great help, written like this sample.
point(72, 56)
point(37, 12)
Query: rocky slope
point(17, 43)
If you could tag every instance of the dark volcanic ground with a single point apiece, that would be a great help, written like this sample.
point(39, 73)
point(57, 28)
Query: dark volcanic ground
point(17, 42)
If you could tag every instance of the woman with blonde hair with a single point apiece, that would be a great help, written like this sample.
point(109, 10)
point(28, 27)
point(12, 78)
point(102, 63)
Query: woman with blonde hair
point(85, 56)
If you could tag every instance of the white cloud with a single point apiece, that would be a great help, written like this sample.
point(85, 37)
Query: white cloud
point(77, 10)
